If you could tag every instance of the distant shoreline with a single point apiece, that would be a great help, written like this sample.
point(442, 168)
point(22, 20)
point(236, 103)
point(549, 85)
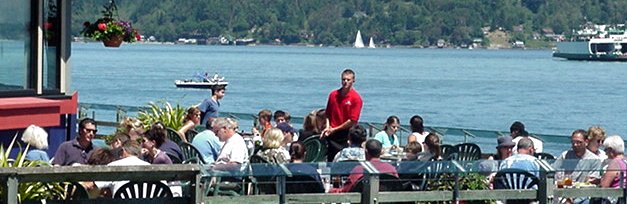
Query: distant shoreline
point(312, 45)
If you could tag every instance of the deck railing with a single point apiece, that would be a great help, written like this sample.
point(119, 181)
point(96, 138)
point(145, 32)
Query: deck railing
point(199, 176)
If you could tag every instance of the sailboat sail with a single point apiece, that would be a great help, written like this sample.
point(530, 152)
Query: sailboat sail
point(359, 43)
point(371, 44)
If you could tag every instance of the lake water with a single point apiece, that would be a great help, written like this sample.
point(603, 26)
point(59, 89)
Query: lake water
point(477, 89)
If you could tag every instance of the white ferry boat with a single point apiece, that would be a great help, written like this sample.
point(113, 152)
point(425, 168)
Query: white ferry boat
point(596, 43)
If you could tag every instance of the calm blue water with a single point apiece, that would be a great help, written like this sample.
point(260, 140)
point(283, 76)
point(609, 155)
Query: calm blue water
point(478, 89)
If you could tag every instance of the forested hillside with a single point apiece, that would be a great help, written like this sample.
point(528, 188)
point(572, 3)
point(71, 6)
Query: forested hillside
point(335, 22)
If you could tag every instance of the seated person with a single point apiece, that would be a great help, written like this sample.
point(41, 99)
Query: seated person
point(129, 152)
point(77, 151)
point(273, 151)
point(37, 138)
point(524, 159)
point(578, 163)
point(411, 151)
point(614, 149)
point(191, 120)
point(374, 149)
point(153, 139)
point(354, 152)
point(233, 156)
point(208, 144)
point(388, 136)
point(298, 168)
point(431, 149)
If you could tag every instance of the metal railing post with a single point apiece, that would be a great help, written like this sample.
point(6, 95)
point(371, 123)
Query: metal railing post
point(280, 188)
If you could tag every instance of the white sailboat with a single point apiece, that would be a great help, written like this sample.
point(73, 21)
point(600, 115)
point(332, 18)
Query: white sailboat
point(359, 43)
point(371, 44)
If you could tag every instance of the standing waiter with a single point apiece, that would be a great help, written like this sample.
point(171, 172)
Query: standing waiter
point(343, 110)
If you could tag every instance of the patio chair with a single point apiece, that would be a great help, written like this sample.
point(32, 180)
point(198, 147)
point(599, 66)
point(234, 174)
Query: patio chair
point(544, 156)
point(316, 151)
point(173, 135)
point(174, 158)
point(143, 190)
point(387, 182)
point(515, 179)
point(446, 151)
point(261, 179)
point(73, 191)
point(190, 134)
point(467, 152)
point(191, 154)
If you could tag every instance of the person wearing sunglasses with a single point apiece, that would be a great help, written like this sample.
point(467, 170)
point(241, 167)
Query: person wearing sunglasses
point(77, 151)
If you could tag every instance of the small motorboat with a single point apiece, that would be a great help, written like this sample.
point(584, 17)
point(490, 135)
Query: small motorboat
point(202, 82)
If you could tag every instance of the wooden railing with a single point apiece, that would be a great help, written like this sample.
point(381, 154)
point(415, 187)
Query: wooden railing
point(545, 193)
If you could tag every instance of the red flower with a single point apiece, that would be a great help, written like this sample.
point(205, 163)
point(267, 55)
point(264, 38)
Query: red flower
point(47, 25)
point(102, 26)
point(138, 37)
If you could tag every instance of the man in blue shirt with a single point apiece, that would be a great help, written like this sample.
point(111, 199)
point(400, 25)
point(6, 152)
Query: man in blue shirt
point(208, 144)
point(524, 159)
point(209, 107)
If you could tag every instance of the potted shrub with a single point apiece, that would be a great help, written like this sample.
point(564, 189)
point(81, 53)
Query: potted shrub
point(110, 31)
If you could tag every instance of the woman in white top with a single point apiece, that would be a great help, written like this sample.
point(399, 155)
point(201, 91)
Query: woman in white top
point(388, 137)
point(418, 130)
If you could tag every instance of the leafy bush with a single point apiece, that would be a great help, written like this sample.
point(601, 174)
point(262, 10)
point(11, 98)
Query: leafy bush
point(162, 112)
point(31, 190)
point(470, 181)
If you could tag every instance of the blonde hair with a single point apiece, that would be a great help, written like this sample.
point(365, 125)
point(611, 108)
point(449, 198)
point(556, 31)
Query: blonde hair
point(36, 137)
point(129, 124)
point(596, 132)
point(273, 138)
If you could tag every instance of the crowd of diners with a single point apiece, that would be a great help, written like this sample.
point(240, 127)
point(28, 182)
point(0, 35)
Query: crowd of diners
point(592, 159)
point(224, 149)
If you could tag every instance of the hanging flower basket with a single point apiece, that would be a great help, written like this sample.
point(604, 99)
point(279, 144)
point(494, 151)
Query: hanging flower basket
point(114, 41)
point(109, 30)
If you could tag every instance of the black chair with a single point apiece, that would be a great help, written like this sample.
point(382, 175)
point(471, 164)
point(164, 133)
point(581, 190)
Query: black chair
point(303, 184)
point(387, 182)
point(412, 173)
point(446, 151)
point(191, 154)
point(261, 178)
point(174, 158)
point(515, 179)
point(72, 191)
point(173, 135)
point(544, 156)
point(190, 134)
point(316, 151)
point(467, 152)
point(133, 189)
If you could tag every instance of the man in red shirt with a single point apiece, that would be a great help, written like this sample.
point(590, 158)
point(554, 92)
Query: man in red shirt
point(343, 110)
point(374, 148)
